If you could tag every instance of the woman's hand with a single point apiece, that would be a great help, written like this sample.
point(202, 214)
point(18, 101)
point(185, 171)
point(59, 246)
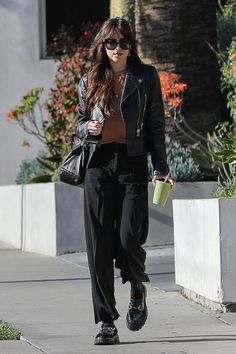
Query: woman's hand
point(169, 179)
point(94, 127)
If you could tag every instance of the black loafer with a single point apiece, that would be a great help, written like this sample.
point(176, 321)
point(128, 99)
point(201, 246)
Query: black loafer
point(107, 335)
point(137, 312)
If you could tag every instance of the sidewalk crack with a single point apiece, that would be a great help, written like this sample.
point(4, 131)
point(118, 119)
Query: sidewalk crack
point(34, 345)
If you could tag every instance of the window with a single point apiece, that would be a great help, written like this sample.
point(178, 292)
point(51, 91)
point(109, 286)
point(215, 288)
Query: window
point(67, 13)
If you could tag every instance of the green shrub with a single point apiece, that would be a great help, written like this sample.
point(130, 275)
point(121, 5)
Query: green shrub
point(228, 79)
point(55, 176)
point(30, 169)
point(224, 157)
point(182, 165)
point(7, 332)
point(226, 189)
point(226, 25)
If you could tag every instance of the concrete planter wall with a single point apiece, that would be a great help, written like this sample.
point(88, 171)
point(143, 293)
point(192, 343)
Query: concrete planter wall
point(48, 217)
point(45, 218)
point(53, 218)
point(161, 218)
point(11, 215)
point(205, 249)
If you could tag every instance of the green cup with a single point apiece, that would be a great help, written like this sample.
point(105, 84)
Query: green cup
point(161, 192)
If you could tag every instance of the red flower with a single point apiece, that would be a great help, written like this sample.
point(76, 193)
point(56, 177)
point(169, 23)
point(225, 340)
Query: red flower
point(63, 89)
point(87, 33)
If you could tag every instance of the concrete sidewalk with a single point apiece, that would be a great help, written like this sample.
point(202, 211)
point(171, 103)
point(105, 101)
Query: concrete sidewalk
point(49, 300)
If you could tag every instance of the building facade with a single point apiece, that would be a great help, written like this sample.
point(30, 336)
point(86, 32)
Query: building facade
point(21, 68)
point(25, 29)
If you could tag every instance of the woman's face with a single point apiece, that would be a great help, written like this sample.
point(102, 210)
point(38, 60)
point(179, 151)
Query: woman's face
point(118, 54)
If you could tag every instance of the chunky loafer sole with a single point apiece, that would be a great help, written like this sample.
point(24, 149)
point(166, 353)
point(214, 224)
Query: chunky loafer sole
point(136, 325)
point(107, 340)
point(136, 322)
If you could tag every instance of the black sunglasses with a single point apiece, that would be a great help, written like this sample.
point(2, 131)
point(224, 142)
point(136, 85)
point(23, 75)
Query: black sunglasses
point(112, 43)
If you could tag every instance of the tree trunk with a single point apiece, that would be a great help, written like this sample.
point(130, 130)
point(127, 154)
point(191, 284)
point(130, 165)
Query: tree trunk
point(173, 35)
point(123, 8)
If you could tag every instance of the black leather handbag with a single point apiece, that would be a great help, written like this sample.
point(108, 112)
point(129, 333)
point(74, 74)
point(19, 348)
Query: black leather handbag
point(73, 168)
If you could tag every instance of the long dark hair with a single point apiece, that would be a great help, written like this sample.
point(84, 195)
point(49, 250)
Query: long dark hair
point(100, 76)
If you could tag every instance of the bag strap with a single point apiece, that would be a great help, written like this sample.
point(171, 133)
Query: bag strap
point(86, 140)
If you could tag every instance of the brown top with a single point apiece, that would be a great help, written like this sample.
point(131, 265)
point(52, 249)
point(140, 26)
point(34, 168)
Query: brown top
point(114, 127)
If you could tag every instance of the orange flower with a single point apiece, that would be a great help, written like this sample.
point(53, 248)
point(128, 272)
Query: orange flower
point(9, 116)
point(234, 69)
point(172, 90)
point(175, 101)
point(167, 113)
point(25, 143)
point(12, 114)
point(179, 87)
point(233, 56)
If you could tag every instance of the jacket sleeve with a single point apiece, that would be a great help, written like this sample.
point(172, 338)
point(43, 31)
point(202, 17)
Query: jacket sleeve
point(82, 120)
point(156, 125)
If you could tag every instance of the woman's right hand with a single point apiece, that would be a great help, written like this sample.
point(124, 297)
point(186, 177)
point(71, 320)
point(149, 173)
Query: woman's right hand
point(94, 127)
point(167, 178)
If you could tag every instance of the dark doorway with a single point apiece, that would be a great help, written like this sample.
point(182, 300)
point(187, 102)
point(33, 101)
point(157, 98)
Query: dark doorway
point(74, 13)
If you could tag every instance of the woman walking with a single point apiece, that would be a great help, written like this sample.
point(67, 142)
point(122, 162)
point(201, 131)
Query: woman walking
point(121, 112)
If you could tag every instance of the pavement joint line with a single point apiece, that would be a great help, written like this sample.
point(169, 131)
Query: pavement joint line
point(207, 311)
point(76, 264)
point(84, 267)
point(216, 315)
point(224, 321)
point(159, 289)
point(33, 345)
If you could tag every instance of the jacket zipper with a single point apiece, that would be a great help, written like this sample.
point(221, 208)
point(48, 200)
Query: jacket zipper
point(140, 121)
point(139, 109)
point(122, 100)
point(145, 103)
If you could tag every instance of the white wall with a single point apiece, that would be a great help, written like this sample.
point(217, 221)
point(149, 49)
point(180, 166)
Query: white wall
point(205, 248)
point(20, 70)
point(197, 246)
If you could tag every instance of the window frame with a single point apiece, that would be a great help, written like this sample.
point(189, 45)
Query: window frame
point(42, 30)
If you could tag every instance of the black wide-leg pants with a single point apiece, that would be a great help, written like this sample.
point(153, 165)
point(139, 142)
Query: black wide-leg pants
point(116, 222)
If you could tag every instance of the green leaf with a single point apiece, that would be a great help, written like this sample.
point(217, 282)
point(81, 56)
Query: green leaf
point(7, 332)
point(225, 153)
point(44, 164)
point(41, 179)
point(53, 159)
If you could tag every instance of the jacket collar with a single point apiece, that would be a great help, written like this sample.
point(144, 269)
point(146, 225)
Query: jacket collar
point(132, 81)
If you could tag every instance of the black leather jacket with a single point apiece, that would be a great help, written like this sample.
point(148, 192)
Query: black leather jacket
point(142, 111)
